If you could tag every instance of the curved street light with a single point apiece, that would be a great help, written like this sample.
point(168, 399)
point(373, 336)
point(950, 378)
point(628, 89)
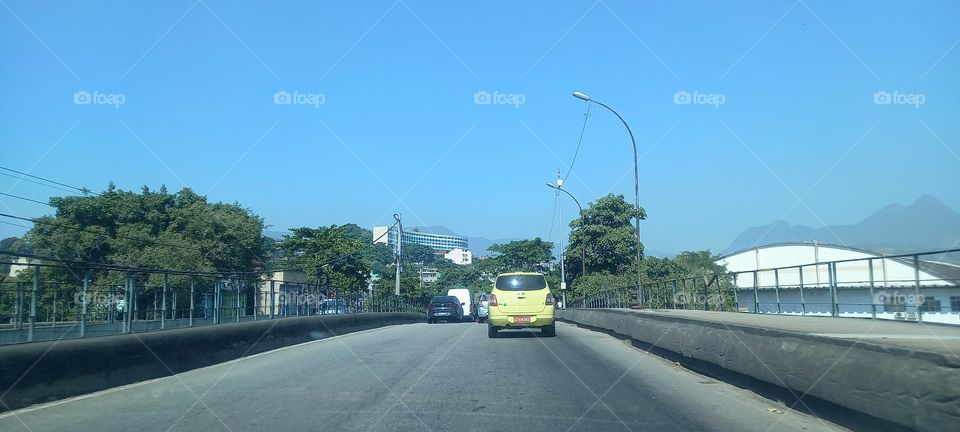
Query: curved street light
point(583, 253)
point(636, 181)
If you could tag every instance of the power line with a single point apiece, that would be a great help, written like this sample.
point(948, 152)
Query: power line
point(108, 266)
point(583, 129)
point(39, 183)
point(14, 224)
point(115, 236)
point(25, 198)
point(82, 190)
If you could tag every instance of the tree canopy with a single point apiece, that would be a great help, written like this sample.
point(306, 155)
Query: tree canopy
point(157, 229)
point(606, 237)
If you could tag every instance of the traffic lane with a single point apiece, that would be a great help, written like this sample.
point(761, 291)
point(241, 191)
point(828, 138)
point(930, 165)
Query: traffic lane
point(433, 377)
point(328, 382)
point(583, 381)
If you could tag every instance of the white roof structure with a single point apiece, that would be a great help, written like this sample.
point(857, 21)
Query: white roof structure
point(806, 263)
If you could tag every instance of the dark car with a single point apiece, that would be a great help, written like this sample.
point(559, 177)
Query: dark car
point(446, 308)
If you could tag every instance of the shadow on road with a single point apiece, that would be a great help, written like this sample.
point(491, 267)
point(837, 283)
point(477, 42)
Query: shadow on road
point(507, 334)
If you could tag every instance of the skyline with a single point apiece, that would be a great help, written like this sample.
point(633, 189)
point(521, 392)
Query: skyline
point(319, 114)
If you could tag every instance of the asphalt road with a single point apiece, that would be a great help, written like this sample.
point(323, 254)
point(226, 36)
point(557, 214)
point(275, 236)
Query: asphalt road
point(428, 378)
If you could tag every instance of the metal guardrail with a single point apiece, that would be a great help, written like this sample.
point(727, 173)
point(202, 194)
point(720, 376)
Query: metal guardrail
point(842, 288)
point(110, 302)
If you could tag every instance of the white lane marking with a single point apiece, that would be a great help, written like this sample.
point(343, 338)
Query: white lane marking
point(151, 381)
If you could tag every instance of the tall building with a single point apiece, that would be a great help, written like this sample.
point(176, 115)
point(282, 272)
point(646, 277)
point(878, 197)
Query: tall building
point(442, 244)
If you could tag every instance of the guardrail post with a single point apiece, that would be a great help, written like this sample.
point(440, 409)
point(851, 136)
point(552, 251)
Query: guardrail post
point(673, 292)
point(193, 295)
point(776, 288)
point(19, 318)
point(33, 303)
point(273, 298)
point(256, 304)
point(55, 292)
point(803, 305)
point(873, 300)
point(719, 282)
point(756, 294)
point(216, 302)
point(128, 305)
point(163, 301)
point(831, 277)
point(236, 298)
point(916, 287)
point(83, 305)
point(706, 296)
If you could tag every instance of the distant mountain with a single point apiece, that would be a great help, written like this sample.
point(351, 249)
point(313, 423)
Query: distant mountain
point(276, 235)
point(925, 225)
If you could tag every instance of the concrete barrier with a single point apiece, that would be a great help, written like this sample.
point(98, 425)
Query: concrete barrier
point(40, 372)
point(918, 390)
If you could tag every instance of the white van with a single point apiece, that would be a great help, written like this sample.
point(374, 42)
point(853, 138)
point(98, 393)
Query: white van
point(466, 300)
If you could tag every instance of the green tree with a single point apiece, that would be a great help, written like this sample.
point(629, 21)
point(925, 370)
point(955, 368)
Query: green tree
point(150, 229)
point(419, 254)
point(520, 255)
point(606, 237)
point(329, 255)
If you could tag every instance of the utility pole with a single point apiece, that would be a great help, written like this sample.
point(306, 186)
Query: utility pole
point(396, 290)
point(563, 276)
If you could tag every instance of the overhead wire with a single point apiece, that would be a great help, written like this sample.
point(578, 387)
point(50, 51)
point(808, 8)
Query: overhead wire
point(25, 199)
point(82, 190)
point(583, 129)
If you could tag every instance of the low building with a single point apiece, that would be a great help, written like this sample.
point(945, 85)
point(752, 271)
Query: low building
point(815, 278)
point(459, 256)
point(21, 263)
point(281, 289)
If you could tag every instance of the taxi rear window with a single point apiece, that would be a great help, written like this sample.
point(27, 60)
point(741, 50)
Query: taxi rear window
point(521, 283)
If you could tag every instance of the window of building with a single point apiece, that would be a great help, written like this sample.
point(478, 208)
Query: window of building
point(930, 304)
point(954, 303)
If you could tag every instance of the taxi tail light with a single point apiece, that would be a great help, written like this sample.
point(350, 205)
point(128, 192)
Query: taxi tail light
point(549, 299)
point(492, 301)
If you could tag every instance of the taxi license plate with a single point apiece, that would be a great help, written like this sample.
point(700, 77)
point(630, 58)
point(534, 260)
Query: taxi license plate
point(521, 319)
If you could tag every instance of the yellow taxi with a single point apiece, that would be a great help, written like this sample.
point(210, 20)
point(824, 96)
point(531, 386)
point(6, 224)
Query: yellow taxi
point(521, 300)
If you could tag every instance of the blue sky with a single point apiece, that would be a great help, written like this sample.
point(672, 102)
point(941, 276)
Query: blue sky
point(399, 129)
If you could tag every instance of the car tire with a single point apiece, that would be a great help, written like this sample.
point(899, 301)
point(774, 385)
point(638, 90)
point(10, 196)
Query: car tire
point(550, 330)
point(491, 332)
point(429, 320)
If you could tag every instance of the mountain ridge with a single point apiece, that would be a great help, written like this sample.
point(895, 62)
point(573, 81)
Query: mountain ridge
point(926, 224)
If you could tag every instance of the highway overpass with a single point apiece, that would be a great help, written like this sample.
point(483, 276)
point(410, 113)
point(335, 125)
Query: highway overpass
point(428, 377)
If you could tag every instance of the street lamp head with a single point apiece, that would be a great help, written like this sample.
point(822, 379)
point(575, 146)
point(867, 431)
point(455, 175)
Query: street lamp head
point(581, 95)
point(551, 185)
